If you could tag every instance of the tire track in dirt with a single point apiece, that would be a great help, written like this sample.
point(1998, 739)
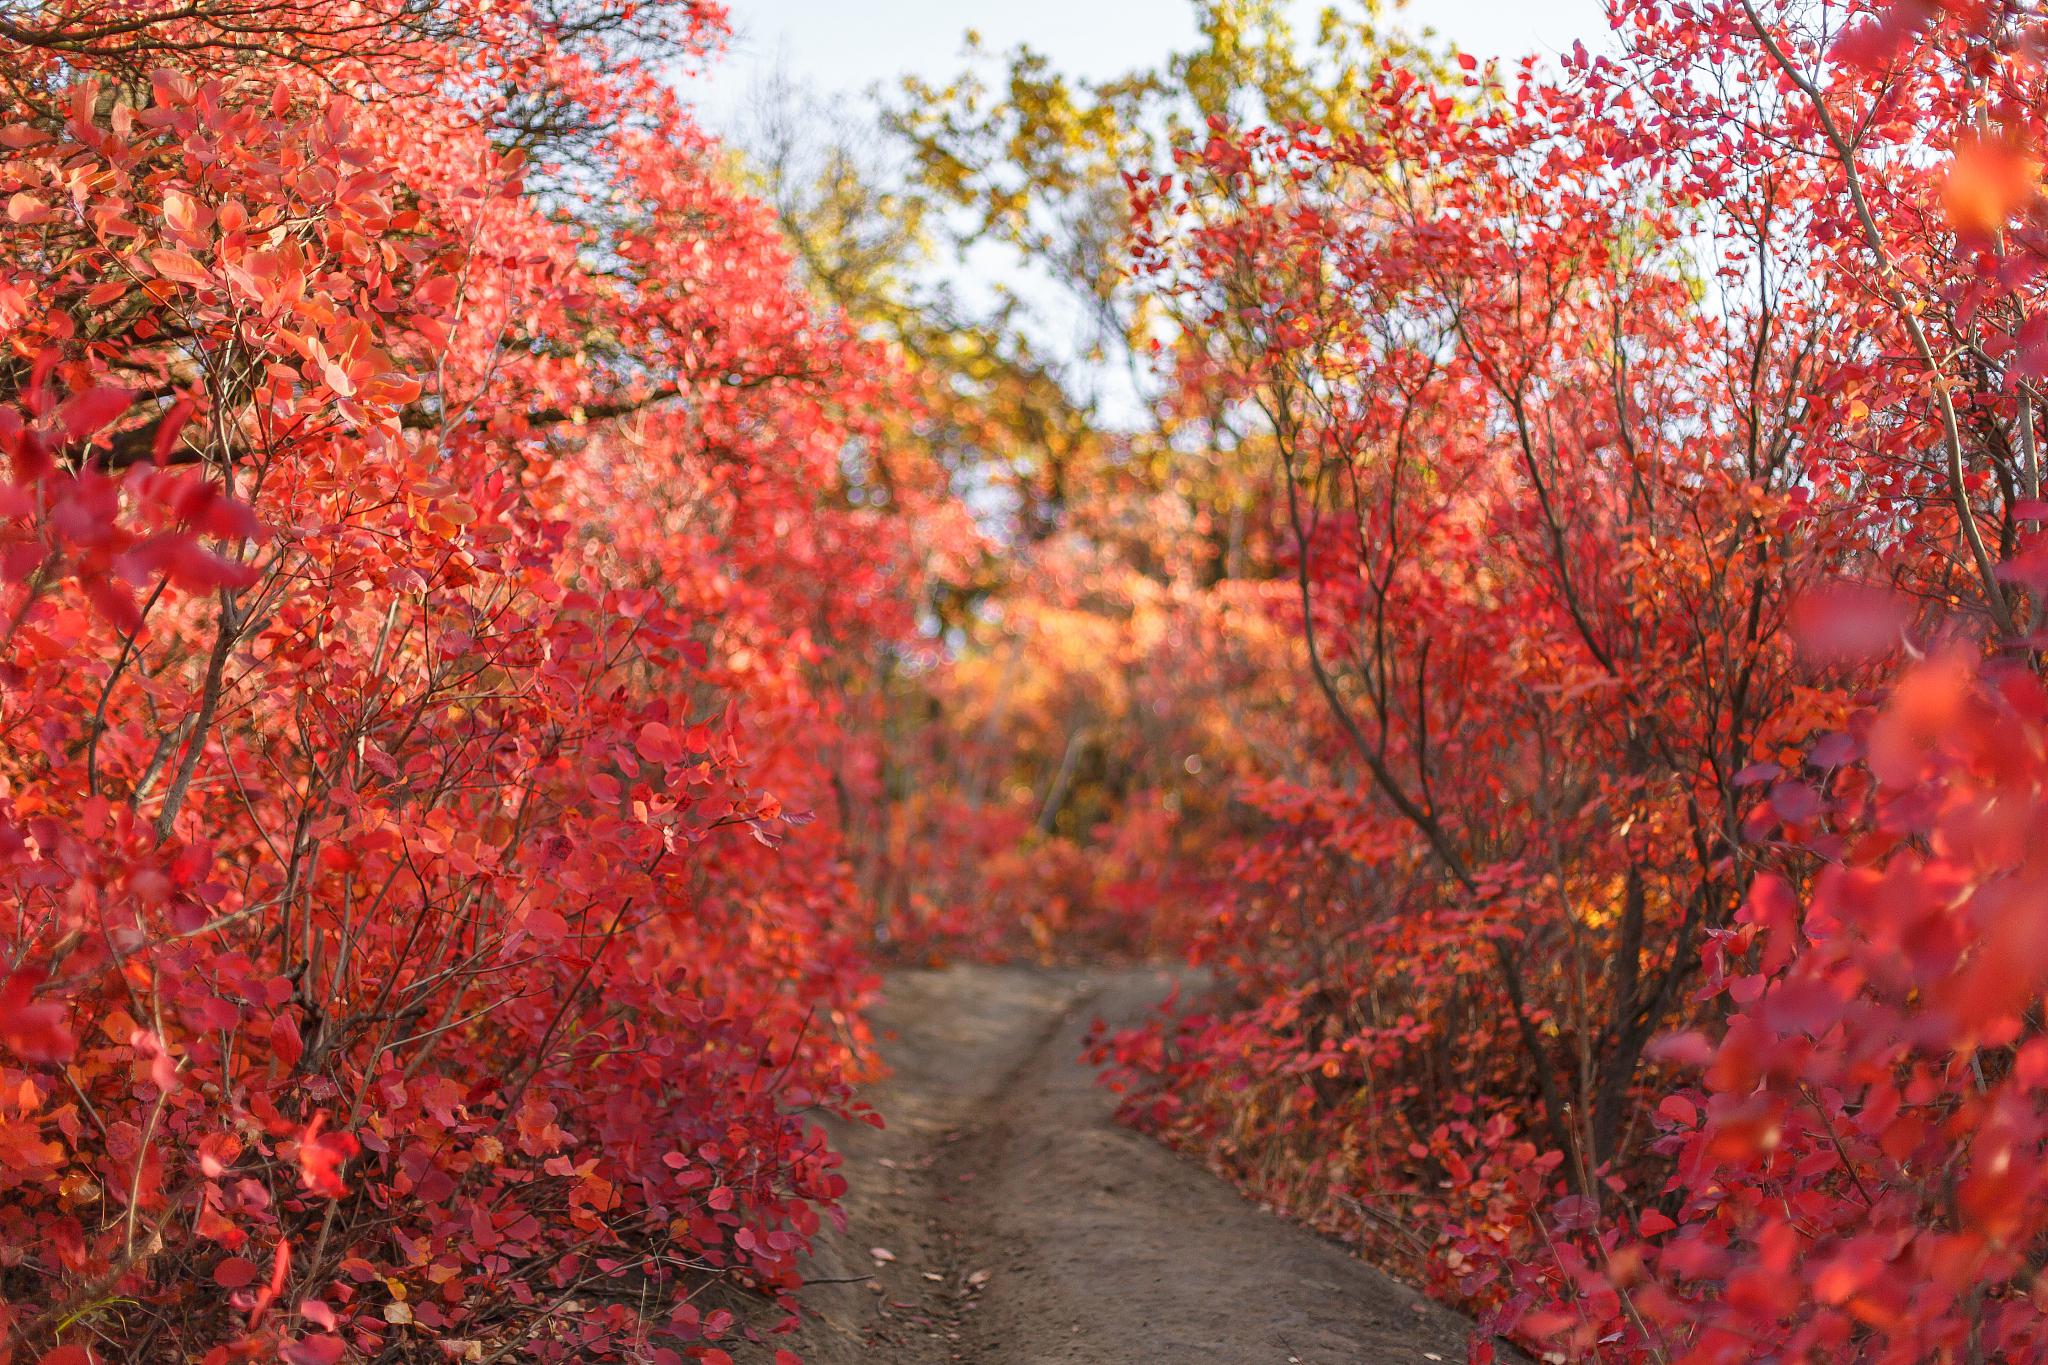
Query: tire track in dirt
point(1022, 1224)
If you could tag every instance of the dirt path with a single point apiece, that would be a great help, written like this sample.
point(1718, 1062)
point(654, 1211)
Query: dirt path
point(1025, 1226)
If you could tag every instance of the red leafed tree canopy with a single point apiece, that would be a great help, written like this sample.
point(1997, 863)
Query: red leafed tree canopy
point(513, 611)
point(431, 597)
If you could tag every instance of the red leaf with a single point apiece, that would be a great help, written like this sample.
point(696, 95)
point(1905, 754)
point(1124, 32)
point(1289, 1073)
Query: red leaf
point(233, 1272)
point(1679, 1111)
point(314, 1350)
point(180, 266)
point(1756, 774)
point(321, 1157)
point(83, 414)
point(114, 602)
point(34, 1033)
point(1795, 802)
point(658, 743)
point(1684, 1049)
point(1990, 180)
point(545, 925)
point(1574, 1211)
point(280, 1269)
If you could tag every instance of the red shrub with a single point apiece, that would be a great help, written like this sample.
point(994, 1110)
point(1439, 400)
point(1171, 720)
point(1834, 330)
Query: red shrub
point(414, 556)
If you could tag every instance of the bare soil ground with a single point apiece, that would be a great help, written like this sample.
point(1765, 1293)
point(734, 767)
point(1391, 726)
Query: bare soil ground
point(1005, 1217)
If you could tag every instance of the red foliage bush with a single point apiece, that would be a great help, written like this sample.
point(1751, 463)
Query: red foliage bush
point(1629, 420)
point(1859, 1167)
point(427, 573)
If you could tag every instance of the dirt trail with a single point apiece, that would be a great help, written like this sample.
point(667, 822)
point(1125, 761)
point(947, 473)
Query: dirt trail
point(1026, 1226)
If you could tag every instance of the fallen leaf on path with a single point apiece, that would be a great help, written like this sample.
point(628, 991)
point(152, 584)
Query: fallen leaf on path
point(977, 1279)
point(882, 1253)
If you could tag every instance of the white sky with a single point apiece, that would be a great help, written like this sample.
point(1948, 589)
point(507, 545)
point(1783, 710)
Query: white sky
point(844, 46)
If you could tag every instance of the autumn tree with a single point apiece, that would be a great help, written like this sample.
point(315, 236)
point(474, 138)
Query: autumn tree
point(1631, 420)
point(428, 564)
